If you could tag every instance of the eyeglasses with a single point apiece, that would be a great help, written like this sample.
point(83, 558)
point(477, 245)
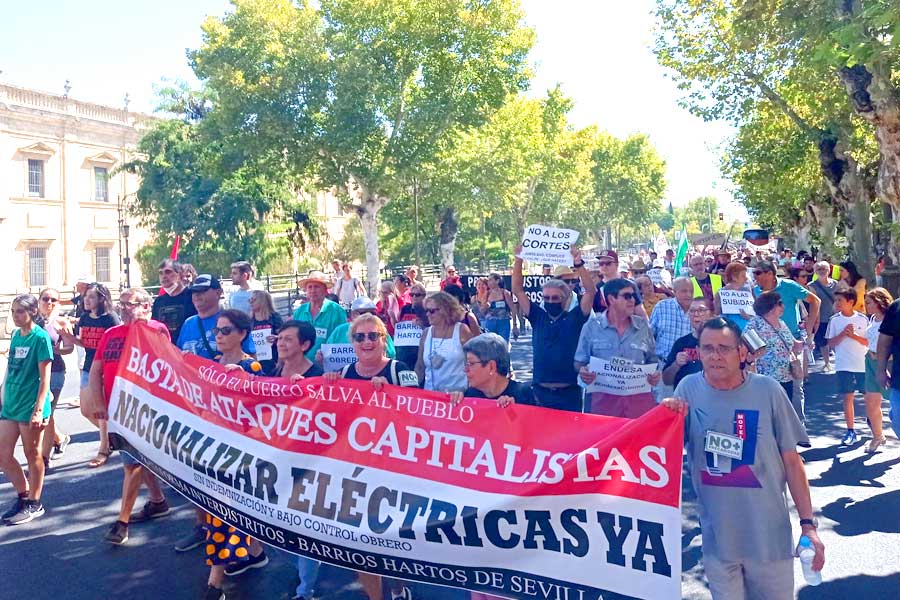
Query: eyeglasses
point(552, 298)
point(166, 271)
point(223, 330)
point(757, 273)
point(719, 350)
point(49, 299)
point(417, 295)
point(431, 311)
point(698, 311)
point(133, 304)
point(471, 365)
point(372, 336)
point(627, 296)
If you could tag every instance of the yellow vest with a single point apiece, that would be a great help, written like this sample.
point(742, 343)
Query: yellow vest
point(835, 274)
point(715, 280)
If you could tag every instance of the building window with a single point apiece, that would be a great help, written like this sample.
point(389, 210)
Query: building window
point(35, 178)
point(101, 185)
point(37, 266)
point(101, 263)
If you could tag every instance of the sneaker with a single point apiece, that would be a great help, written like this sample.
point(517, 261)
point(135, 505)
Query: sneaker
point(151, 510)
point(14, 508)
point(876, 443)
point(194, 540)
point(849, 438)
point(117, 534)
point(253, 562)
point(60, 448)
point(214, 593)
point(31, 510)
point(403, 594)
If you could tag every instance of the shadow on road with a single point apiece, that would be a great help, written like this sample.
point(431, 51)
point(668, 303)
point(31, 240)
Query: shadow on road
point(857, 518)
point(869, 586)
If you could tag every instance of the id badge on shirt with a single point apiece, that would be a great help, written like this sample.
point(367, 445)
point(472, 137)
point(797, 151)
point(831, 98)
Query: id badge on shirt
point(724, 445)
point(321, 333)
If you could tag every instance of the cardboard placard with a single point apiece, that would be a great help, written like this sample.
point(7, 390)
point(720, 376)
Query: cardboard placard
point(548, 245)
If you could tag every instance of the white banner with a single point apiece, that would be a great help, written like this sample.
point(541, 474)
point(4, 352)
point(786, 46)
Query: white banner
point(260, 341)
point(407, 333)
point(620, 377)
point(735, 301)
point(336, 356)
point(548, 245)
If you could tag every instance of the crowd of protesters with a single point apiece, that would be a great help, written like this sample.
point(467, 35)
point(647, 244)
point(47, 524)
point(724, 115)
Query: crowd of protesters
point(707, 363)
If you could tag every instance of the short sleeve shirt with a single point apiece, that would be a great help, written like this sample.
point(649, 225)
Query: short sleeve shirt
point(110, 348)
point(601, 340)
point(742, 502)
point(553, 343)
point(519, 392)
point(26, 353)
point(792, 294)
point(191, 338)
point(327, 320)
point(849, 355)
point(396, 373)
point(90, 330)
point(173, 311)
point(688, 344)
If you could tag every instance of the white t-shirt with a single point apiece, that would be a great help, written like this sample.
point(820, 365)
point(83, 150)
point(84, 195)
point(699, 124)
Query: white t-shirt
point(872, 334)
point(849, 355)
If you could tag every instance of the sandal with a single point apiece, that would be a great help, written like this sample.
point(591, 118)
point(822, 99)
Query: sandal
point(100, 459)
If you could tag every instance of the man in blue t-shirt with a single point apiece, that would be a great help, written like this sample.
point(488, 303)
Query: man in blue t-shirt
point(792, 294)
point(206, 291)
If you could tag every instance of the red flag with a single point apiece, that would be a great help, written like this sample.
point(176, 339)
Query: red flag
point(174, 255)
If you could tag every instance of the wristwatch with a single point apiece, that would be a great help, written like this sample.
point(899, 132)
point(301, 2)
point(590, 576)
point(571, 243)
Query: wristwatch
point(814, 523)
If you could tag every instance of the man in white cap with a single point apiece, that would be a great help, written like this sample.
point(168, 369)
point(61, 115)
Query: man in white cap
point(322, 313)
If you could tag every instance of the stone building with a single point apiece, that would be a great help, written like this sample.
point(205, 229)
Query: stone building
point(60, 192)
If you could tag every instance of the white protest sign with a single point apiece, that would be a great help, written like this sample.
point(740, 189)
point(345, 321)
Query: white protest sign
point(620, 377)
point(735, 301)
point(407, 333)
point(548, 245)
point(336, 356)
point(263, 347)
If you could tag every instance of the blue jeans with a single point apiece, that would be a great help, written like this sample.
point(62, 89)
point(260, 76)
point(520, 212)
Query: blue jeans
point(895, 411)
point(499, 326)
point(308, 570)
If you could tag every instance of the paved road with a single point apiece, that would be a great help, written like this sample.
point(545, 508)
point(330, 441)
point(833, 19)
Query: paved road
point(63, 554)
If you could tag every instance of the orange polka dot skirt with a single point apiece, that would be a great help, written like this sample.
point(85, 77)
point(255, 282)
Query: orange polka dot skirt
point(224, 544)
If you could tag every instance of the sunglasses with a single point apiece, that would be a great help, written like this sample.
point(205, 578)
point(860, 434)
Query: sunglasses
point(627, 296)
point(49, 299)
point(758, 273)
point(223, 330)
point(417, 295)
point(372, 336)
point(431, 311)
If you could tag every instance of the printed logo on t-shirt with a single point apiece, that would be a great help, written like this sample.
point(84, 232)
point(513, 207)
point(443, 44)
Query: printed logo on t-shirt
point(724, 471)
point(22, 352)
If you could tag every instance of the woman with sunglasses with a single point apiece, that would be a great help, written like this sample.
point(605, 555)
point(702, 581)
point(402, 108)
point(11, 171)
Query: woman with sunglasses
point(228, 551)
point(97, 318)
point(25, 408)
point(781, 345)
point(54, 444)
point(368, 333)
point(441, 361)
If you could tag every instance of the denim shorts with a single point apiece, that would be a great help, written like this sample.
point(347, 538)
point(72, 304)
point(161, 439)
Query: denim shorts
point(128, 460)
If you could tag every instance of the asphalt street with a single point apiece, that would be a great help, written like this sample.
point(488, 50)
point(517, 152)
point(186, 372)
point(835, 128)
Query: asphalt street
point(63, 553)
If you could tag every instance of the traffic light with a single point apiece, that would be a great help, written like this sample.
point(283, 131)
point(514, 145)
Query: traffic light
point(721, 216)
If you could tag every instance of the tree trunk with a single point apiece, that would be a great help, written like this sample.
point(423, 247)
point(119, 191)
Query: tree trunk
point(367, 213)
point(449, 229)
point(852, 191)
point(482, 266)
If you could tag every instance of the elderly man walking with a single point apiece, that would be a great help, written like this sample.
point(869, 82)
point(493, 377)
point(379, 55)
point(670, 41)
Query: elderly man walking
point(670, 319)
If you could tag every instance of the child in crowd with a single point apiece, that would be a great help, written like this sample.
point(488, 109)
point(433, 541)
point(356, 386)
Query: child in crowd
point(847, 336)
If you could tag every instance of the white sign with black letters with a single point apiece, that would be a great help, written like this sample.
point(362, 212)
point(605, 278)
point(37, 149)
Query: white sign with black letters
point(548, 245)
point(735, 301)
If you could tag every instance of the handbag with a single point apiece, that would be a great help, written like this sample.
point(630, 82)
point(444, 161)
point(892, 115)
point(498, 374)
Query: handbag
point(796, 360)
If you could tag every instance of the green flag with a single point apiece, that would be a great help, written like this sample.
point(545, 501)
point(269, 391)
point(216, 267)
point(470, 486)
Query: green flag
point(681, 252)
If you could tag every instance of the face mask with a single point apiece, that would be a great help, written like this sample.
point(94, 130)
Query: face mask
point(171, 289)
point(554, 309)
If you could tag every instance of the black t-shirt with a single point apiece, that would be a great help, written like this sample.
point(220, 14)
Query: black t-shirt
point(410, 354)
point(314, 370)
point(274, 321)
point(554, 343)
point(520, 392)
point(891, 326)
point(685, 343)
point(173, 311)
point(396, 373)
point(90, 330)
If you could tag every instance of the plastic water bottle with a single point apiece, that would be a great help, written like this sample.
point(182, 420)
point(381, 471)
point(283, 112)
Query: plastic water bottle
point(807, 553)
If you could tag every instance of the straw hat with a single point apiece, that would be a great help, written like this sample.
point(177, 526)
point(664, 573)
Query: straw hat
point(315, 277)
point(563, 271)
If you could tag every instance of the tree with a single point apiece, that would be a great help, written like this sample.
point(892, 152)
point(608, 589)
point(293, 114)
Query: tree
point(361, 94)
point(224, 206)
point(700, 215)
point(629, 180)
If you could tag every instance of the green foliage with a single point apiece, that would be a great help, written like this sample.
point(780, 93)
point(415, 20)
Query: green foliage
point(699, 214)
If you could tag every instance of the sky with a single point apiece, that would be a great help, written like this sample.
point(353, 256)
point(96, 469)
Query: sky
point(598, 51)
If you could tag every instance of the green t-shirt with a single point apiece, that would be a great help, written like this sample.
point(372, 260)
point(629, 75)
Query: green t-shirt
point(22, 375)
point(328, 319)
point(341, 335)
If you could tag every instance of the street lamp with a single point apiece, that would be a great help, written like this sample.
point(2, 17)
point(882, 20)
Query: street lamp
point(124, 230)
